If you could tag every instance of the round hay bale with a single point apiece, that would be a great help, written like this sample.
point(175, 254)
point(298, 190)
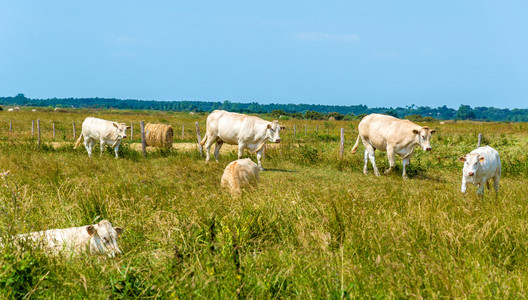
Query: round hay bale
point(159, 135)
point(331, 119)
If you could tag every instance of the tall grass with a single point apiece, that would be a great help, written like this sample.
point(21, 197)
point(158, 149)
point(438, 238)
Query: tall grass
point(316, 227)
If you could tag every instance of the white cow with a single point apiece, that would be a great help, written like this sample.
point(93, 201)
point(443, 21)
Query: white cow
point(238, 129)
point(480, 166)
point(106, 132)
point(9, 109)
point(96, 239)
point(240, 174)
point(17, 108)
point(393, 135)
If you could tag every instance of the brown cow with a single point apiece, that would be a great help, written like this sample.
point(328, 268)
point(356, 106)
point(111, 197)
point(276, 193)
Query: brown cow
point(393, 135)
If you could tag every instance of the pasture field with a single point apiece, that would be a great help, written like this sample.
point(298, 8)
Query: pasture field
point(317, 227)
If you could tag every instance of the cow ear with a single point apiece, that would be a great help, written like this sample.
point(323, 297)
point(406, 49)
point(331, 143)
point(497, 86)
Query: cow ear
point(432, 131)
point(115, 124)
point(128, 127)
point(90, 229)
point(119, 230)
point(283, 127)
point(481, 159)
point(462, 158)
point(416, 131)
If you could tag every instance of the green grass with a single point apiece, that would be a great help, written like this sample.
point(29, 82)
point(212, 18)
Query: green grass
point(317, 227)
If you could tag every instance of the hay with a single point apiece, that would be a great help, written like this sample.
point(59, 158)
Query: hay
point(158, 135)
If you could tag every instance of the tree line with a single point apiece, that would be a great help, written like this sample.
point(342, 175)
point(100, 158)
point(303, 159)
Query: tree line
point(300, 111)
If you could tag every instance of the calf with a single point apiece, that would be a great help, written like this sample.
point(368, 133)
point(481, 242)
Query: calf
point(96, 239)
point(106, 132)
point(239, 174)
point(480, 166)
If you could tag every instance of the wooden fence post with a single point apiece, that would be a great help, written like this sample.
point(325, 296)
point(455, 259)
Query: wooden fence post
point(183, 132)
point(32, 128)
point(143, 139)
point(74, 133)
point(305, 129)
point(38, 131)
point(53, 130)
point(342, 148)
point(316, 128)
point(199, 138)
point(10, 128)
point(294, 130)
point(479, 140)
point(131, 131)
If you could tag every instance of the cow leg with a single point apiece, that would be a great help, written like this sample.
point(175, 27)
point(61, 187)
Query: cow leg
point(480, 189)
point(241, 148)
point(102, 147)
point(365, 166)
point(259, 159)
point(210, 141)
point(406, 162)
point(88, 146)
point(217, 149)
point(371, 154)
point(390, 155)
point(116, 149)
point(496, 184)
point(463, 189)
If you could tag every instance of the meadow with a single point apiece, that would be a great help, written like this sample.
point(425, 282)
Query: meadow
point(316, 227)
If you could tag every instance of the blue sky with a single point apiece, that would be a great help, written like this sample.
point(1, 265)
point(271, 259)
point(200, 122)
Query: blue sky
point(377, 53)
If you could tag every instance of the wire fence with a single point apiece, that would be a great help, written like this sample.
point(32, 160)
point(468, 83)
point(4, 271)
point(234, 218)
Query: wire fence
point(42, 131)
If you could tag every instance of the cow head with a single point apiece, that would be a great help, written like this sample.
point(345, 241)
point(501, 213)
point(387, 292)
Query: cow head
point(272, 132)
point(472, 163)
point(424, 137)
point(121, 130)
point(103, 239)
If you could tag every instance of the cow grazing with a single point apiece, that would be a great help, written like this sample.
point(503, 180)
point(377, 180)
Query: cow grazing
point(393, 135)
point(480, 166)
point(238, 129)
point(106, 132)
point(16, 108)
point(10, 109)
point(240, 174)
point(96, 239)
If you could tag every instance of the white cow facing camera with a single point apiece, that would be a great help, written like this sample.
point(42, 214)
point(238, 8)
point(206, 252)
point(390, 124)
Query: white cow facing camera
point(480, 166)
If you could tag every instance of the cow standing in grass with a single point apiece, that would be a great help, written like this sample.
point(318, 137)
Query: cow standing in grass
point(238, 129)
point(96, 239)
point(480, 166)
point(393, 135)
point(106, 132)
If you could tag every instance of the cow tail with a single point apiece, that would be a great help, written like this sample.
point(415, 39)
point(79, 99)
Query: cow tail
point(203, 140)
point(355, 145)
point(78, 141)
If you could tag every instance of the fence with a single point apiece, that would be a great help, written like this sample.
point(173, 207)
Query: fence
point(43, 131)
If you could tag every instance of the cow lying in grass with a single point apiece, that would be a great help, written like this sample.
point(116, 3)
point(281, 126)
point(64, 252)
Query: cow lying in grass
point(240, 174)
point(480, 166)
point(96, 239)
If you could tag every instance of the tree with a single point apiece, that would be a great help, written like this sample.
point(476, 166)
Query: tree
point(464, 112)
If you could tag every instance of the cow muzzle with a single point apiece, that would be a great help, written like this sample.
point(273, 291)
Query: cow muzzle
point(471, 173)
point(427, 148)
point(277, 140)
